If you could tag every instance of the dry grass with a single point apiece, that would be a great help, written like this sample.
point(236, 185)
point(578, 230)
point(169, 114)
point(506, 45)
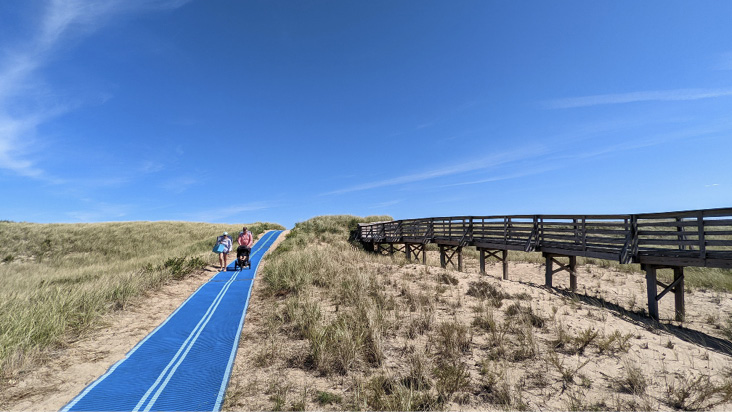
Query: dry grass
point(58, 279)
point(369, 332)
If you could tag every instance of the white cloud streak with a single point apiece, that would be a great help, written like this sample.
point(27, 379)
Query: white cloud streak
point(385, 204)
point(24, 98)
point(634, 97)
point(495, 160)
point(219, 214)
point(100, 211)
point(724, 61)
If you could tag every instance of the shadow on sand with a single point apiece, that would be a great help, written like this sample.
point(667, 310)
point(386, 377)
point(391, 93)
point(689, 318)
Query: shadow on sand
point(641, 319)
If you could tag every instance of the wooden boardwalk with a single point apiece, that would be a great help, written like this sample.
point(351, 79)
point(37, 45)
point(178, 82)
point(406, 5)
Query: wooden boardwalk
point(672, 240)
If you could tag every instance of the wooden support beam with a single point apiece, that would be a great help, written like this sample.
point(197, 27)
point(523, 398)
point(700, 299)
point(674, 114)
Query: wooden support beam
point(368, 246)
point(447, 254)
point(570, 267)
point(504, 261)
point(573, 273)
point(679, 294)
point(414, 250)
point(652, 291)
point(677, 287)
point(482, 261)
point(488, 253)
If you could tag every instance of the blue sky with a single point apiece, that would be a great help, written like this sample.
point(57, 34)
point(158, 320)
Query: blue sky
point(242, 111)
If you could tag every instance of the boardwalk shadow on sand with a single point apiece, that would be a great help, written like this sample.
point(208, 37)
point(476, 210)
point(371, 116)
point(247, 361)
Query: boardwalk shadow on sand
point(641, 319)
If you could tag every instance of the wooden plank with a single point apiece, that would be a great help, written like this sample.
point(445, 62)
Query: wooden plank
point(687, 213)
point(614, 224)
point(588, 217)
point(666, 224)
point(665, 232)
point(583, 253)
point(663, 242)
point(727, 243)
point(498, 246)
point(717, 222)
point(717, 232)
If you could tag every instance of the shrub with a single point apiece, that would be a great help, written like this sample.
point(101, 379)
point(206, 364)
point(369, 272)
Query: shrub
point(485, 291)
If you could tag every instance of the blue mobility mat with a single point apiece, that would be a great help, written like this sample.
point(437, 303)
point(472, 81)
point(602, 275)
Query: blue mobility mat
point(185, 363)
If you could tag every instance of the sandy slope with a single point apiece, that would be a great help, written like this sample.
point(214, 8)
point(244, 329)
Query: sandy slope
point(269, 365)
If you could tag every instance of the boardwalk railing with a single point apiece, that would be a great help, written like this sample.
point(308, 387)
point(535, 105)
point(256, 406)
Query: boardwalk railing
point(655, 240)
point(691, 238)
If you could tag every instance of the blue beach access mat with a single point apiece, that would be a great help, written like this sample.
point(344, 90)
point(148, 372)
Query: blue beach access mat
point(185, 363)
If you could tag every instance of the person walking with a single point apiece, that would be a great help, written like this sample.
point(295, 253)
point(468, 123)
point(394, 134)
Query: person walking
point(224, 240)
point(245, 241)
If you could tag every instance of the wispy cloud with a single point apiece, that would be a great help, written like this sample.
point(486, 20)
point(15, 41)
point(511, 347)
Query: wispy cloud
point(179, 184)
point(223, 213)
point(100, 211)
point(386, 204)
point(634, 97)
point(25, 99)
point(494, 160)
point(498, 178)
point(724, 61)
point(150, 167)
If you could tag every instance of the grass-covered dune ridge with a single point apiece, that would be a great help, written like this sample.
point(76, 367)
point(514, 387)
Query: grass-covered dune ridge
point(331, 327)
point(59, 278)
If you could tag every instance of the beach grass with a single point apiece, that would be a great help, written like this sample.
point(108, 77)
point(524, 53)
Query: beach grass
point(58, 279)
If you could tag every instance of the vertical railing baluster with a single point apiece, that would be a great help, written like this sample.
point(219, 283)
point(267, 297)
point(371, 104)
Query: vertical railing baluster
point(702, 241)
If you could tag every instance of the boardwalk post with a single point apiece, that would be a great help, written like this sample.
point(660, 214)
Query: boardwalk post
point(488, 253)
point(679, 293)
point(504, 254)
point(460, 258)
point(652, 290)
point(408, 252)
point(549, 272)
point(573, 273)
point(482, 262)
point(442, 257)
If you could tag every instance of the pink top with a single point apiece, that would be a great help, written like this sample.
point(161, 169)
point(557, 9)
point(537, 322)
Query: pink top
point(245, 239)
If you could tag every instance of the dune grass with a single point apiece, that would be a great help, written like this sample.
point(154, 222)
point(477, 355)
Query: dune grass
point(57, 279)
point(380, 333)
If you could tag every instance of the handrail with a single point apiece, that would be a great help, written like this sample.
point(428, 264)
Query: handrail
point(685, 238)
